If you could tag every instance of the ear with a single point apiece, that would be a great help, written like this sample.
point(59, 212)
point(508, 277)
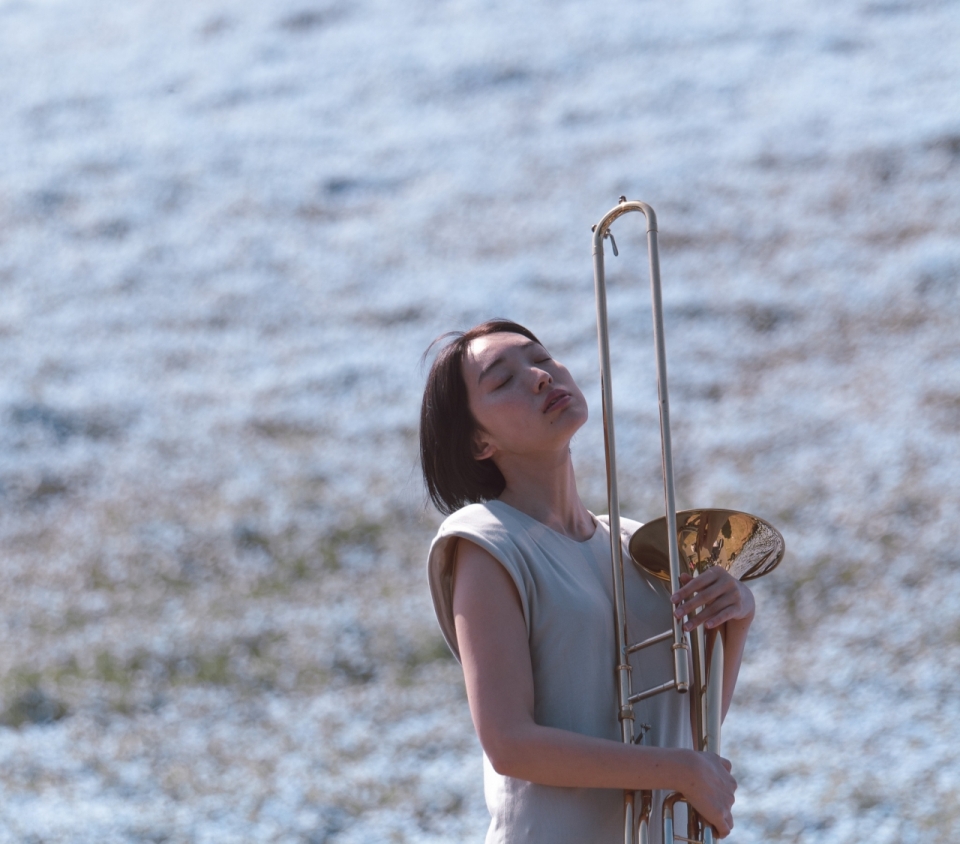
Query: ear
point(482, 447)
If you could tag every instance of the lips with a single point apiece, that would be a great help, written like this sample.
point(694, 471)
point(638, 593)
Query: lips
point(553, 397)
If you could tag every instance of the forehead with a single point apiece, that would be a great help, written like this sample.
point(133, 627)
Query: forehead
point(482, 351)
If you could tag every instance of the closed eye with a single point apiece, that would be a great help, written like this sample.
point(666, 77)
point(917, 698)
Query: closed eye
point(503, 383)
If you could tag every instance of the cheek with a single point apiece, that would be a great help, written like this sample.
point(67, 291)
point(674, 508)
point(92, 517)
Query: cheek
point(504, 409)
point(505, 417)
point(489, 412)
point(578, 392)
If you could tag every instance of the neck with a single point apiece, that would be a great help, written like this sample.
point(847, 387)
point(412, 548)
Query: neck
point(545, 488)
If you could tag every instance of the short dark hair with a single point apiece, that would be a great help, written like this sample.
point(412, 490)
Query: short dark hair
point(453, 475)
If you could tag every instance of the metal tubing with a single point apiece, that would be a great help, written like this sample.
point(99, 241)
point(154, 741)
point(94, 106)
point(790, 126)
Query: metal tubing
point(707, 699)
point(698, 708)
point(643, 823)
point(668, 834)
point(629, 798)
point(663, 687)
point(715, 696)
point(646, 643)
point(669, 494)
point(680, 646)
point(625, 713)
point(681, 680)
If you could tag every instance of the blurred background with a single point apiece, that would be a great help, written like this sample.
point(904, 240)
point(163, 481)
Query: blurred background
point(228, 231)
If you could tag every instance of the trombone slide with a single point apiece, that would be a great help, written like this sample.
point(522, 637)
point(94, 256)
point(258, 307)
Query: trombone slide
point(744, 545)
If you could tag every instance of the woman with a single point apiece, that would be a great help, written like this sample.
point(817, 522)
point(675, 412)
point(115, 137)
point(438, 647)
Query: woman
point(520, 578)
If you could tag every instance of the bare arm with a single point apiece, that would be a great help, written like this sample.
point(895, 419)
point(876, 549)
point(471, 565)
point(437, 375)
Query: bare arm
point(728, 607)
point(499, 677)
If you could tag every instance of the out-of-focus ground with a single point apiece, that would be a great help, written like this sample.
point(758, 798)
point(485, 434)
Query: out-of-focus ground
point(228, 231)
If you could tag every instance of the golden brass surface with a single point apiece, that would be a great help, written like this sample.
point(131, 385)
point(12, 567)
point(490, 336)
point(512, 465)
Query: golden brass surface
point(746, 546)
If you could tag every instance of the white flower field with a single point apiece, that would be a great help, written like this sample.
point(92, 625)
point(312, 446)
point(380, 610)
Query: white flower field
point(228, 231)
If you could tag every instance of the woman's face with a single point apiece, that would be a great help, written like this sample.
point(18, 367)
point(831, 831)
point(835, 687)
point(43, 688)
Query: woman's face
point(524, 401)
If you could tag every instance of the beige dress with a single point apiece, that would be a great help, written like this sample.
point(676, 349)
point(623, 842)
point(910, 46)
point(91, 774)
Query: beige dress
point(566, 593)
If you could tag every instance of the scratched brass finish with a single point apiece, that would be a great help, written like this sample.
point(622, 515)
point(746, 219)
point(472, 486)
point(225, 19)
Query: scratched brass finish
point(744, 545)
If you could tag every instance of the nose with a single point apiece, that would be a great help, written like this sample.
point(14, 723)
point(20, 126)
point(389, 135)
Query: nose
point(543, 379)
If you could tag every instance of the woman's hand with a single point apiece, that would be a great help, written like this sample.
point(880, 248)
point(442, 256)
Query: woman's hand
point(722, 597)
point(710, 790)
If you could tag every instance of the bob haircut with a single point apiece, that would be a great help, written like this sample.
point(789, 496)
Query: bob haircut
point(453, 475)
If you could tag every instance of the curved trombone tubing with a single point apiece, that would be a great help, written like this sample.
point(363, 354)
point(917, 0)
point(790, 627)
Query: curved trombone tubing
point(681, 678)
point(743, 544)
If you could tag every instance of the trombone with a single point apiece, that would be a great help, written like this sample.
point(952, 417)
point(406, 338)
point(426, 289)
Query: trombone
point(689, 541)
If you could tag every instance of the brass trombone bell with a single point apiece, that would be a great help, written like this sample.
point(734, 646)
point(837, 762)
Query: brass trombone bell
point(746, 546)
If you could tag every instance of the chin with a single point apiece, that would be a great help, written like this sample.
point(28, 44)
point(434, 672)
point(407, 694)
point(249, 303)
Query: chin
point(575, 417)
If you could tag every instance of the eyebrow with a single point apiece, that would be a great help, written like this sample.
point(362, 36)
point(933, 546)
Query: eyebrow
point(486, 370)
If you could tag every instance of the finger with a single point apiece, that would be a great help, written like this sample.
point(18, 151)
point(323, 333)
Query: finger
point(721, 618)
point(697, 585)
point(703, 597)
point(718, 615)
point(678, 596)
point(712, 616)
point(691, 584)
point(709, 577)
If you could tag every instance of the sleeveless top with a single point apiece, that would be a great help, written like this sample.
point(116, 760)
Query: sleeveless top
point(566, 595)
